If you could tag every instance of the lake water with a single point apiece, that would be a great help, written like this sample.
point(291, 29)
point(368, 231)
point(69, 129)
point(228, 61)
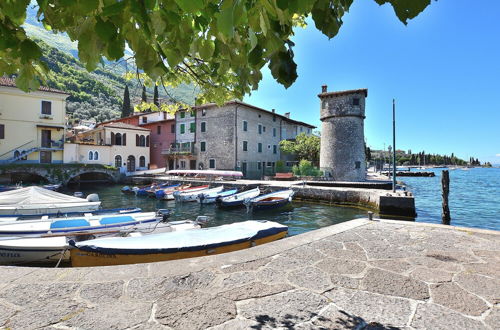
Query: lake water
point(474, 197)
point(299, 218)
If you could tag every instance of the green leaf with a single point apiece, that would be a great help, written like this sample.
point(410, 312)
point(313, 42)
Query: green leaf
point(105, 30)
point(207, 49)
point(190, 6)
point(115, 49)
point(406, 10)
point(30, 50)
point(114, 9)
point(283, 68)
point(225, 22)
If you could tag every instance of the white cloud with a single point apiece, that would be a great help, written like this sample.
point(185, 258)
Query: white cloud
point(498, 155)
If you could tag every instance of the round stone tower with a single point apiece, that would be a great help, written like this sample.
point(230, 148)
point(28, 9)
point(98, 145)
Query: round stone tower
point(342, 156)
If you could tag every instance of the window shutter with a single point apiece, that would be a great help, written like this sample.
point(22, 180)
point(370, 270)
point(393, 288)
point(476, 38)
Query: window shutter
point(137, 140)
point(147, 141)
point(112, 138)
point(124, 139)
point(2, 131)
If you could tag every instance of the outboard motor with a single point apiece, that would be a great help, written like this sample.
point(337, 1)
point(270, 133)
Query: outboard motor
point(164, 214)
point(93, 198)
point(201, 220)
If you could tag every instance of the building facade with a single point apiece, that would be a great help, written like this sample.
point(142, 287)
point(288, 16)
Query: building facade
point(241, 136)
point(181, 154)
point(162, 137)
point(342, 114)
point(32, 125)
point(117, 144)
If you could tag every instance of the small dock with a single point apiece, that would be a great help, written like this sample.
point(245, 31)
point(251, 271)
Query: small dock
point(410, 173)
point(359, 274)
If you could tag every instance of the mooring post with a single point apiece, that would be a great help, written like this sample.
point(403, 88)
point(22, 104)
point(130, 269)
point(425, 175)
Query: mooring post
point(445, 188)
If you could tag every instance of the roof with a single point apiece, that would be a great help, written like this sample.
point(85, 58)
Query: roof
point(340, 93)
point(156, 122)
point(9, 82)
point(122, 125)
point(237, 102)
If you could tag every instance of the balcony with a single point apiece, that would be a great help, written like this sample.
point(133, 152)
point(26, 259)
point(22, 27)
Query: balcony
point(179, 149)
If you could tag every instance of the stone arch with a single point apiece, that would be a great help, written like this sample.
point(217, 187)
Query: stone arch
point(92, 174)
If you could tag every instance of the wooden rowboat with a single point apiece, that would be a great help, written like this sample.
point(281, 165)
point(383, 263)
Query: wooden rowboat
point(175, 245)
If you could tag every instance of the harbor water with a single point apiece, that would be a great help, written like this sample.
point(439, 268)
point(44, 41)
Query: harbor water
point(300, 217)
point(474, 197)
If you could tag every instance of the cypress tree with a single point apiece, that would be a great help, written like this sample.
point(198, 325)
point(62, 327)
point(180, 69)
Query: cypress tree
point(126, 103)
point(155, 97)
point(144, 96)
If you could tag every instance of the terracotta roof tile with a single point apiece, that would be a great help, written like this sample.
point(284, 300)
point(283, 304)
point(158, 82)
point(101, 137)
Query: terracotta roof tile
point(122, 125)
point(9, 82)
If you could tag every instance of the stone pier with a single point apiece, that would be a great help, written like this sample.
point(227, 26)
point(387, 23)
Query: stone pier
point(355, 275)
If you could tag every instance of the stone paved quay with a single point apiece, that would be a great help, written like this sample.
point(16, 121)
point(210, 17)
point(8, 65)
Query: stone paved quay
point(354, 275)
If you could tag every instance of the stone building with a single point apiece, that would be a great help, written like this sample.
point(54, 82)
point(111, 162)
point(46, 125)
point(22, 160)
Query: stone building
point(342, 114)
point(244, 137)
point(180, 154)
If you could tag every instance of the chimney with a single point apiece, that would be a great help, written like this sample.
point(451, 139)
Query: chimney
point(287, 115)
point(324, 89)
point(273, 110)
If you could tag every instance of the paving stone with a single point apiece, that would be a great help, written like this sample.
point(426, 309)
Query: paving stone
point(383, 249)
point(25, 294)
point(238, 279)
point(371, 307)
point(431, 275)
point(255, 290)
point(126, 272)
point(195, 280)
point(310, 278)
point(281, 262)
point(341, 266)
point(452, 296)
point(326, 246)
point(119, 315)
point(271, 275)
point(432, 316)
point(237, 324)
point(344, 281)
point(395, 265)
point(485, 287)
point(45, 313)
point(6, 313)
point(99, 292)
point(148, 289)
point(491, 268)
point(246, 266)
point(346, 236)
point(388, 283)
point(453, 256)
point(304, 253)
point(493, 319)
point(436, 263)
point(487, 255)
point(269, 312)
point(194, 310)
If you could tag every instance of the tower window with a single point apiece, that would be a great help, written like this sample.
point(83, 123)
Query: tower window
point(357, 165)
point(355, 101)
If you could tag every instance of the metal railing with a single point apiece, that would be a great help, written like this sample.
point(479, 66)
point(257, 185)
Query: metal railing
point(179, 149)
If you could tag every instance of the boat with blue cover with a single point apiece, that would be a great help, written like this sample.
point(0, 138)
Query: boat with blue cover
point(238, 199)
point(84, 224)
point(270, 201)
point(175, 245)
point(166, 186)
point(123, 210)
point(191, 194)
point(210, 198)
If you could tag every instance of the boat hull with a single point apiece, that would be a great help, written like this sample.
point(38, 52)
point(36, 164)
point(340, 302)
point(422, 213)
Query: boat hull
point(14, 253)
point(81, 258)
point(261, 206)
point(50, 209)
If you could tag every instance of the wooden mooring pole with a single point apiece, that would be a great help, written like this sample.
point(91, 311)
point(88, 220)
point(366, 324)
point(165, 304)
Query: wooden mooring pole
point(445, 189)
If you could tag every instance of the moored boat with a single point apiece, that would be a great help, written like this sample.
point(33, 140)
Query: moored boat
point(152, 191)
point(191, 194)
point(270, 201)
point(237, 200)
point(168, 194)
point(209, 198)
point(175, 245)
point(126, 210)
point(36, 200)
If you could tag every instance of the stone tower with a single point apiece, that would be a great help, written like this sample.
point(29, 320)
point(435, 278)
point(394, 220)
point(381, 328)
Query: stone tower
point(342, 154)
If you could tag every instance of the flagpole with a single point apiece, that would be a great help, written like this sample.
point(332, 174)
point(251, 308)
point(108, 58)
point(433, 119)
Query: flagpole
point(393, 145)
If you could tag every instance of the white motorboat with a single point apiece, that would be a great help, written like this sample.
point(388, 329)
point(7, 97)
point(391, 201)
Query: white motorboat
point(209, 198)
point(190, 196)
point(238, 199)
point(36, 200)
point(270, 201)
point(56, 248)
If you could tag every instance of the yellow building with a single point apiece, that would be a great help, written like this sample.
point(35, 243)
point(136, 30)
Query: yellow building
point(32, 125)
point(117, 144)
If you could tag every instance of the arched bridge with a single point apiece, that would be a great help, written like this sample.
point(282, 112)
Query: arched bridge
point(62, 173)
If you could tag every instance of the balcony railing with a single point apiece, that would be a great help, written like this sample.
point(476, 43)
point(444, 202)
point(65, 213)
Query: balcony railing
point(179, 150)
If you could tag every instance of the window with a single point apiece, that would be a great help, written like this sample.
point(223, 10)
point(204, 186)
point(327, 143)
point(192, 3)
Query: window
point(357, 165)
point(183, 128)
point(172, 128)
point(96, 155)
point(211, 163)
point(263, 128)
point(269, 164)
point(147, 141)
point(118, 161)
point(124, 139)
point(45, 157)
point(269, 146)
point(203, 146)
point(137, 140)
point(260, 116)
point(91, 155)
point(183, 114)
point(275, 149)
point(2, 131)
point(301, 128)
point(118, 139)
point(192, 113)
point(192, 127)
point(203, 112)
point(46, 108)
point(183, 164)
point(274, 118)
point(355, 101)
point(259, 147)
point(245, 145)
point(259, 167)
point(245, 125)
point(260, 129)
point(274, 131)
point(144, 120)
point(158, 130)
point(203, 126)
point(142, 141)
point(142, 161)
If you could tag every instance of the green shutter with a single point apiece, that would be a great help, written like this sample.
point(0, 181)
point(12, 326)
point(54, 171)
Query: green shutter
point(183, 114)
point(183, 128)
point(192, 127)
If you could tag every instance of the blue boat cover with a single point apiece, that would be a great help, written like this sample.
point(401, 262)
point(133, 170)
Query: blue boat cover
point(69, 223)
point(113, 220)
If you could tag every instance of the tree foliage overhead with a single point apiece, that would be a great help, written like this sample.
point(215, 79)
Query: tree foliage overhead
point(219, 45)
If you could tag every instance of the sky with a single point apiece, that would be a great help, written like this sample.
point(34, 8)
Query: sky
point(443, 70)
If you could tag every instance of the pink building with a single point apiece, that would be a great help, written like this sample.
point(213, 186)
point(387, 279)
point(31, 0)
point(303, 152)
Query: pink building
point(162, 136)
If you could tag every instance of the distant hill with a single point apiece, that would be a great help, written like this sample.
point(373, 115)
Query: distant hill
point(97, 94)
